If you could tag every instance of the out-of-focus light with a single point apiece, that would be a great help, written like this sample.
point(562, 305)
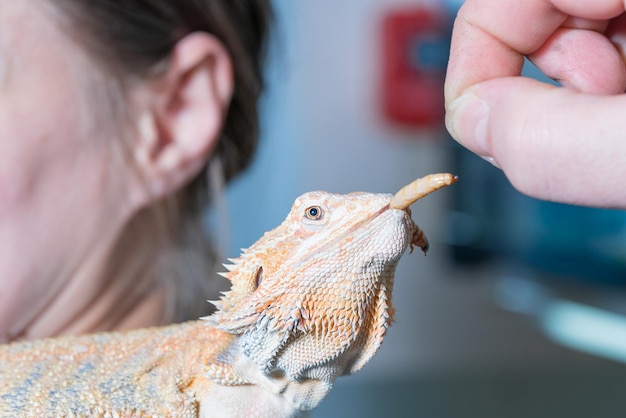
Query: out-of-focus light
point(584, 328)
point(520, 295)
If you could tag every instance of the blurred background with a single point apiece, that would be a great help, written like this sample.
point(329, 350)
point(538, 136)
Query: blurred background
point(519, 309)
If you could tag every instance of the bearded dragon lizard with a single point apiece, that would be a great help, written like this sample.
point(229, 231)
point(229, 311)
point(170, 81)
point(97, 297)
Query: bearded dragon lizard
point(310, 301)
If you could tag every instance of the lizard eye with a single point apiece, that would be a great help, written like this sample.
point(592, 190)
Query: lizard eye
point(315, 217)
point(314, 213)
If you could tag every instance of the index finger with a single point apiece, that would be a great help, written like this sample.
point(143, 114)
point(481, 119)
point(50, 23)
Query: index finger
point(491, 37)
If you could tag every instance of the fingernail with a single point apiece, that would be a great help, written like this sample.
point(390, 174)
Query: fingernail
point(466, 120)
point(490, 160)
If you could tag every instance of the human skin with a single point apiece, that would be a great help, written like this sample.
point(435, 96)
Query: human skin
point(556, 143)
point(69, 184)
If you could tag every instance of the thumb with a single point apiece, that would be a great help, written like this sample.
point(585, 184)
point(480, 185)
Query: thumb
point(552, 143)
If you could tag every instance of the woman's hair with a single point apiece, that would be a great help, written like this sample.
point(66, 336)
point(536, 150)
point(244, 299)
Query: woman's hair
point(133, 39)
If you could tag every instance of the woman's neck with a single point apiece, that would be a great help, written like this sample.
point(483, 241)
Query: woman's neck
point(116, 288)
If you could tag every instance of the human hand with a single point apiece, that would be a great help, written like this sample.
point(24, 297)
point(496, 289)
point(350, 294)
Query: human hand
point(566, 144)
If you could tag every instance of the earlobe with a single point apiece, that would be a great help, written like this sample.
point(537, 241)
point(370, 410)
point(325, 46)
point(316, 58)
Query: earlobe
point(183, 114)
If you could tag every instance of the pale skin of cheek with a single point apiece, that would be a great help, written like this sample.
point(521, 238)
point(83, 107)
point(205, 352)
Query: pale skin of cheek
point(58, 205)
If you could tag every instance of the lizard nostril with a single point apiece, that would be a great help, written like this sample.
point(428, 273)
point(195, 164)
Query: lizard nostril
point(259, 277)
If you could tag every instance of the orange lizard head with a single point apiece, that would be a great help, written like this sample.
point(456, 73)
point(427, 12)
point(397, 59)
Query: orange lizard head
point(312, 298)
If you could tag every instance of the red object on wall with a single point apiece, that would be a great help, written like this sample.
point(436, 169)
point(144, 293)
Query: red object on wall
point(415, 48)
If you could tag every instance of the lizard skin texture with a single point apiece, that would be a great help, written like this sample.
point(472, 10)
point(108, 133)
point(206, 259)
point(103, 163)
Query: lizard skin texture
point(310, 301)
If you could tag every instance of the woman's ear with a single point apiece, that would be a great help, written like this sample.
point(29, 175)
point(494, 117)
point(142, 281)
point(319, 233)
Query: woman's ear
point(180, 115)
